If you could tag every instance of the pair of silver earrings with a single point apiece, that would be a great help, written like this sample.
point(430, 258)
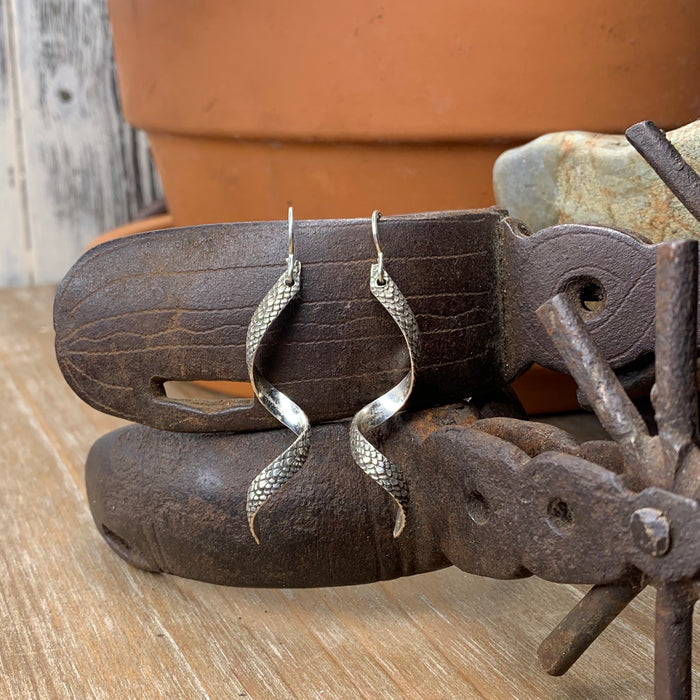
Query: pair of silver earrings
point(377, 466)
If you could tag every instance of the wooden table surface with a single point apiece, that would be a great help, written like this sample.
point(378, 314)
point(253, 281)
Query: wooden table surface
point(78, 622)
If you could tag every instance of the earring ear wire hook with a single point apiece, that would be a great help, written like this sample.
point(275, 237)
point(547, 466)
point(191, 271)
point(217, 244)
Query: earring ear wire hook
point(290, 259)
point(376, 215)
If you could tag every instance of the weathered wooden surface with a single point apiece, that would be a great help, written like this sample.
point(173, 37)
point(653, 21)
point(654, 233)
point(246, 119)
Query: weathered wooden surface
point(75, 621)
point(70, 168)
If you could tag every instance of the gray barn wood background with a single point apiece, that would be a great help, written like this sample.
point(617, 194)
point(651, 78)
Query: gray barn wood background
point(70, 168)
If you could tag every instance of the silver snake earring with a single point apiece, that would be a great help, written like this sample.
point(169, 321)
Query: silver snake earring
point(276, 474)
point(387, 474)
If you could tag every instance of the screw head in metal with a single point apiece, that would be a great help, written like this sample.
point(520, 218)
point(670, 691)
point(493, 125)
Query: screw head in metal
point(651, 531)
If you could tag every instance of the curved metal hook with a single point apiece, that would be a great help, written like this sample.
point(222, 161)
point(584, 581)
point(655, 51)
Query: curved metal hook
point(376, 214)
point(290, 258)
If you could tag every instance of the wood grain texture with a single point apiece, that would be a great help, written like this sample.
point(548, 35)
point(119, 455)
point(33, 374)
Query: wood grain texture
point(76, 622)
point(78, 168)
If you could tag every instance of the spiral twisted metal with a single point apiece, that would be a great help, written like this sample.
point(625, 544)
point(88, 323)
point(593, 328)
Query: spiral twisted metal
point(387, 474)
point(276, 474)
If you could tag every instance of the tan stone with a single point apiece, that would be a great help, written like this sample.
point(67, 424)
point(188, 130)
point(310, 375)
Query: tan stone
point(575, 176)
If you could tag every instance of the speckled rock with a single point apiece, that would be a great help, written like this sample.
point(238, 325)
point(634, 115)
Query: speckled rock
point(574, 176)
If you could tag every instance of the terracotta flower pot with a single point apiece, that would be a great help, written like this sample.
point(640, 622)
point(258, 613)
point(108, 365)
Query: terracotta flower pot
point(342, 107)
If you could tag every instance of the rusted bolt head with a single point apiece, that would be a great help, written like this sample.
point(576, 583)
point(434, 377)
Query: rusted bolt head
point(651, 531)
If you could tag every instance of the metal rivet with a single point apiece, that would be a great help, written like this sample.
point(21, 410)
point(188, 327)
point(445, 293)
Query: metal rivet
point(651, 531)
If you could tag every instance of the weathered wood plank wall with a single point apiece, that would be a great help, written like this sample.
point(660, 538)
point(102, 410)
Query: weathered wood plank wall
point(70, 168)
point(13, 246)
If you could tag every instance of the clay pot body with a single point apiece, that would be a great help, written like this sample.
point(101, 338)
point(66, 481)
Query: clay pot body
point(343, 107)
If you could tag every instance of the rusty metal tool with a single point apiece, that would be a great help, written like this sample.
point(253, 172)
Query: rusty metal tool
point(669, 461)
point(675, 402)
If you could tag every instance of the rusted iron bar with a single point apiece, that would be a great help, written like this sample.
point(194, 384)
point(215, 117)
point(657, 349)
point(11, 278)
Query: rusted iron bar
point(598, 382)
point(676, 406)
point(618, 415)
point(673, 642)
point(675, 395)
point(584, 624)
point(667, 162)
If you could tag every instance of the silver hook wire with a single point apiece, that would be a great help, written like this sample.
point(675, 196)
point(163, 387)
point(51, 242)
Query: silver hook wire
point(290, 258)
point(376, 214)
